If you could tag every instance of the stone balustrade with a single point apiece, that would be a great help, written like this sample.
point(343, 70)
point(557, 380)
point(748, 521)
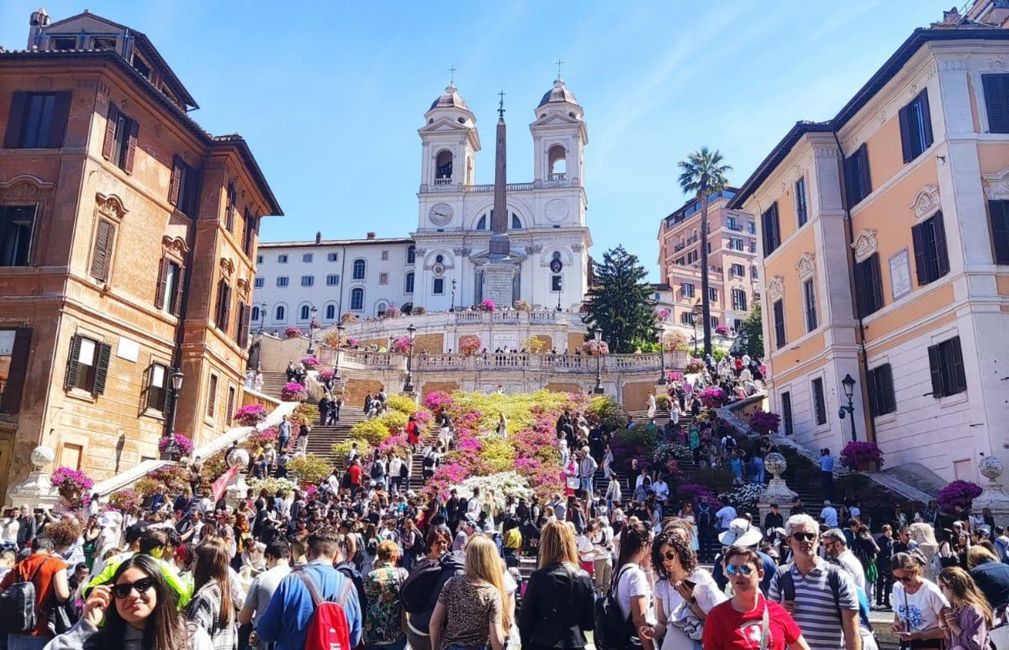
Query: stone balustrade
point(564, 363)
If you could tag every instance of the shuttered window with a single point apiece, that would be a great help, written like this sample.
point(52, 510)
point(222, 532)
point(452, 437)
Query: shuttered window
point(879, 381)
point(229, 211)
point(223, 311)
point(857, 181)
point(739, 299)
point(15, 348)
point(809, 298)
point(87, 365)
point(819, 402)
point(915, 127)
point(249, 236)
point(930, 258)
point(779, 324)
point(786, 412)
point(157, 387)
point(229, 414)
point(801, 210)
point(998, 214)
point(120, 144)
point(770, 229)
point(212, 396)
point(17, 226)
point(945, 362)
point(868, 286)
point(996, 101)
point(168, 296)
point(37, 120)
point(184, 188)
point(244, 322)
point(101, 255)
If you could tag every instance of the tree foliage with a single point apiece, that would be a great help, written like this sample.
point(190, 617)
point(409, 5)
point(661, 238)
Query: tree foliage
point(620, 302)
point(751, 334)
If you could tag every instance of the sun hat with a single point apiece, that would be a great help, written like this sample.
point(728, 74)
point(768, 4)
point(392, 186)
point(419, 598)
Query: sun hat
point(740, 533)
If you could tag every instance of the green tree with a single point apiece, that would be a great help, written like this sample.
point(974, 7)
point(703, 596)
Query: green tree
point(703, 174)
point(751, 333)
point(620, 301)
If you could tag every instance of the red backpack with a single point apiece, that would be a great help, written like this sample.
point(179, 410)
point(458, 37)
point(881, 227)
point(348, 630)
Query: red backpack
point(328, 629)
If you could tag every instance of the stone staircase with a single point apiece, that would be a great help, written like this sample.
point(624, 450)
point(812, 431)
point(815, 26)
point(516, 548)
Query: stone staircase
point(273, 382)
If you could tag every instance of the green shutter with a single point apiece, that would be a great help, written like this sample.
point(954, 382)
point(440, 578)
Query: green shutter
point(102, 368)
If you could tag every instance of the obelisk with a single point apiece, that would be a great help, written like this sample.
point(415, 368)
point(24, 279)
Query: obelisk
point(499, 271)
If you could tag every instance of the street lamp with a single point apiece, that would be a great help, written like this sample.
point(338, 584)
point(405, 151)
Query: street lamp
point(339, 334)
point(659, 331)
point(598, 336)
point(452, 308)
point(177, 378)
point(849, 390)
point(262, 317)
point(312, 323)
point(408, 384)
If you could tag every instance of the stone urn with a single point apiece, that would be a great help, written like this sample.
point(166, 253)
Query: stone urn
point(239, 489)
point(777, 490)
point(993, 495)
point(37, 490)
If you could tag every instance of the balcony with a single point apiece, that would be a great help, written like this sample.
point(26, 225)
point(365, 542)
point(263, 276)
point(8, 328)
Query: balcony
point(734, 227)
point(443, 181)
point(561, 176)
point(679, 247)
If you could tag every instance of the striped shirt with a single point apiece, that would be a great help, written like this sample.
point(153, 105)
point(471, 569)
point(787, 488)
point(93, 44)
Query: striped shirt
point(815, 610)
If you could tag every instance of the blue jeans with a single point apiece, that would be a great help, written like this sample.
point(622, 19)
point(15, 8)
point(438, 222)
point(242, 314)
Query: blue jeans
point(587, 485)
point(25, 642)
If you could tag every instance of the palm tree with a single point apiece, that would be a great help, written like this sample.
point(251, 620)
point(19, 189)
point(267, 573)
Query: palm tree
point(703, 174)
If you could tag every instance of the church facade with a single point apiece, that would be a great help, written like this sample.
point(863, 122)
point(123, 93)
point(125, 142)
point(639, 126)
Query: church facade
point(449, 251)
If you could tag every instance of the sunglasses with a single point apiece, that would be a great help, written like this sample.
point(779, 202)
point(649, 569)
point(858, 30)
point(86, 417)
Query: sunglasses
point(744, 570)
point(142, 586)
point(670, 555)
point(906, 579)
point(805, 537)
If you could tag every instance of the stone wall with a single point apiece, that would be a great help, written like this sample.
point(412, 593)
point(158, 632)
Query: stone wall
point(356, 389)
point(565, 387)
point(433, 386)
point(635, 395)
point(429, 343)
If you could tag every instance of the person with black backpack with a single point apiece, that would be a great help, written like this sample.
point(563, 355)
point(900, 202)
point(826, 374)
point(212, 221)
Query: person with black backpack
point(30, 589)
point(621, 616)
point(419, 594)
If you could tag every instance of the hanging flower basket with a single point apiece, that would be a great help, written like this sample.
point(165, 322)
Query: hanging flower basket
point(72, 485)
point(293, 392)
point(175, 446)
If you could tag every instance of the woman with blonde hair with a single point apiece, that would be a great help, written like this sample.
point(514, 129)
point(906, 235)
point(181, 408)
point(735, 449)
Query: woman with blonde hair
point(471, 610)
point(212, 608)
point(969, 619)
point(989, 574)
point(917, 603)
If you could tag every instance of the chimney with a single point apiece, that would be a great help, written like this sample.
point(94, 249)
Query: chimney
point(371, 235)
point(38, 21)
point(318, 236)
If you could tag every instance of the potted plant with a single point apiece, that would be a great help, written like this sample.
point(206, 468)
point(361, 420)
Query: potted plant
point(470, 344)
point(762, 422)
point(175, 446)
point(712, 397)
point(293, 392)
point(392, 311)
point(486, 305)
point(957, 496)
point(722, 330)
point(862, 456)
point(310, 362)
point(72, 485)
point(250, 415)
point(292, 332)
point(401, 345)
point(595, 348)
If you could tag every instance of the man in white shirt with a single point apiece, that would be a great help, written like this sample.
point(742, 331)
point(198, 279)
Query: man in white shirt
point(661, 491)
point(395, 465)
point(725, 516)
point(278, 559)
point(828, 515)
point(9, 528)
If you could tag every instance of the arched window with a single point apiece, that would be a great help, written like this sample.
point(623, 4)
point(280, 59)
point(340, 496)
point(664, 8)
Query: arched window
point(481, 224)
point(280, 314)
point(380, 308)
point(409, 283)
point(330, 312)
point(357, 299)
point(443, 168)
point(411, 254)
point(305, 312)
point(255, 313)
point(516, 222)
point(359, 268)
point(557, 158)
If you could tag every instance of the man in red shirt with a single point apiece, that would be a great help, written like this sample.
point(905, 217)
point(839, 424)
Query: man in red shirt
point(356, 474)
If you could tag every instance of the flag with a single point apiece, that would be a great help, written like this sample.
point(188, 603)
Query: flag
point(222, 483)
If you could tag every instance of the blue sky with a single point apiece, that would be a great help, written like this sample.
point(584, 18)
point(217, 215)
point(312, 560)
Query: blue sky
point(330, 95)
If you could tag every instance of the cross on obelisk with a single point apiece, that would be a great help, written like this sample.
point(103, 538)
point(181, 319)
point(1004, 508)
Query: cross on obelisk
point(559, 63)
point(501, 108)
point(452, 78)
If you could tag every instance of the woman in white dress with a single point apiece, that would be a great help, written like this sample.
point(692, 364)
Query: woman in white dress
point(651, 406)
point(674, 410)
point(608, 462)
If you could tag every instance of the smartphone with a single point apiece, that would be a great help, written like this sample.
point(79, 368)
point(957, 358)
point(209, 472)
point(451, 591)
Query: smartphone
point(689, 584)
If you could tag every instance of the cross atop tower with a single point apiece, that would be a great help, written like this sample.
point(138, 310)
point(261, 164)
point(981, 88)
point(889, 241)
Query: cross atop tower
point(452, 71)
point(501, 108)
point(559, 63)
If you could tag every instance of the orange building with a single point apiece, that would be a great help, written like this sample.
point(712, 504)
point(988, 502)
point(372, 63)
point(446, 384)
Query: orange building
point(732, 257)
point(884, 239)
point(127, 244)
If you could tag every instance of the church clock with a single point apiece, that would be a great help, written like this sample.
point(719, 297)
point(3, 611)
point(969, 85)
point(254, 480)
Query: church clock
point(441, 214)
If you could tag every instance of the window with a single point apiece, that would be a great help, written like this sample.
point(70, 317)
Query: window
point(731, 223)
point(15, 346)
point(998, 215)
point(709, 247)
point(305, 312)
point(359, 268)
point(244, 316)
point(945, 361)
point(819, 402)
point(330, 312)
point(772, 234)
point(87, 365)
point(712, 294)
point(223, 311)
point(880, 385)
point(101, 252)
point(779, 324)
point(739, 300)
point(357, 299)
point(249, 235)
point(231, 405)
point(168, 294)
point(736, 244)
point(383, 278)
point(753, 272)
point(439, 286)
point(915, 127)
point(556, 283)
point(737, 271)
point(280, 314)
point(996, 101)
point(411, 255)
point(66, 43)
point(687, 290)
point(17, 224)
point(282, 259)
point(259, 283)
point(307, 280)
point(307, 258)
point(282, 280)
point(212, 396)
point(256, 313)
point(714, 322)
point(157, 387)
point(516, 224)
point(259, 259)
point(692, 257)
point(857, 183)
point(183, 192)
point(37, 120)
point(930, 259)
point(786, 412)
point(868, 286)
point(385, 256)
point(687, 318)
point(332, 257)
point(679, 261)
point(229, 210)
point(809, 298)
point(409, 283)
point(481, 224)
point(751, 227)
point(332, 280)
point(120, 142)
point(800, 201)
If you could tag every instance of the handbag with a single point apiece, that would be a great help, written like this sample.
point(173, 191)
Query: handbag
point(684, 620)
point(573, 482)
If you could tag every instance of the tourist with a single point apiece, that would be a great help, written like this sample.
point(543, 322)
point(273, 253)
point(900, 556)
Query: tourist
point(264, 585)
point(48, 574)
point(382, 585)
point(587, 467)
point(990, 575)
point(421, 589)
point(884, 581)
point(749, 620)
point(917, 603)
point(826, 462)
point(608, 463)
point(284, 433)
point(742, 533)
point(557, 608)
point(969, 618)
point(632, 588)
point(724, 516)
point(212, 607)
point(471, 610)
point(502, 425)
point(651, 406)
point(835, 547)
point(828, 515)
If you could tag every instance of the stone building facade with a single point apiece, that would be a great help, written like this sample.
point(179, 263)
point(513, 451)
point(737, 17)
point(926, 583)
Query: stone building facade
point(127, 241)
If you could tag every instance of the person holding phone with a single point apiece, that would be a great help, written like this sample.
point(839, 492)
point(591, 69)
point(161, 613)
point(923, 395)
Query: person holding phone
point(917, 603)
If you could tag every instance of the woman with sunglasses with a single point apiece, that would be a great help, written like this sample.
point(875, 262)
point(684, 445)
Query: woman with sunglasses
point(743, 622)
point(137, 609)
point(969, 619)
point(917, 603)
point(684, 593)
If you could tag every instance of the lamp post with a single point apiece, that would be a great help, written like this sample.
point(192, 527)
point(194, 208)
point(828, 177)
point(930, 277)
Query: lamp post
point(848, 383)
point(659, 331)
point(408, 384)
point(311, 330)
point(339, 333)
point(598, 336)
point(177, 378)
point(262, 317)
point(452, 308)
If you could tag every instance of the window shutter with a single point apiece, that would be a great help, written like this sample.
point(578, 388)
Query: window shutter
point(935, 367)
point(102, 369)
point(61, 114)
point(888, 399)
point(226, 309)
point(159, 295)
point(15, 121)
point(131, 146)
point(999, 217)
point(926, 119)
point(109, 145)
point(918, 239)
point(70, 379)
point(179, 284)
point(942, 256)
point(874, 284)
point(10, 402)
point(173, 187)
point(905, 134)
point(864, 178)
point(244, 321)
point(873, 390)
point(101, 257)
point(958, 379)
point(996, 102)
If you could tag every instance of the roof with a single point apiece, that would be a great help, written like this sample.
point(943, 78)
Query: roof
point(558, 94)
point(918, 38)
point(450, 99)
point(154, 94)
point(334, 242)
point(686, 210)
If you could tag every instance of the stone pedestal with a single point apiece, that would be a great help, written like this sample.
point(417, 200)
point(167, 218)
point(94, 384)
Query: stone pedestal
point(37, 490)
point(994, 496)
point(498, 278)
point(239, 489)
point(777, 491)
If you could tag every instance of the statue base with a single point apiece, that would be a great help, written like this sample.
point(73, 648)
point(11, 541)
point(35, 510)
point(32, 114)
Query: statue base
point(777, 491)
point(995, 499)
point(498, 282)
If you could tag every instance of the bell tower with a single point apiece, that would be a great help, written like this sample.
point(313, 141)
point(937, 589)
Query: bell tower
point(559, 139)
point(450, 142)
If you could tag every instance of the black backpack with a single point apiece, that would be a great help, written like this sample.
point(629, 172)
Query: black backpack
point(17, 605)
point(404, 470)
point(613, 630)
point(351, 573)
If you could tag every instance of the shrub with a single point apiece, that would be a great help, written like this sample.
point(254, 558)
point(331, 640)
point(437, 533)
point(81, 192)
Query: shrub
point(348, 318)
point(694, 492)
point(250, 415)
point(438, 399)
point(634, 443)
point(305, 413)
point(341, 449)
point(470, 344)
point(310, 362)
point(402, 403)
point(958, 494)
point(125, 500)
point(402, 345)
point(273, 486)
point(374, 431)
point(662, 402)
point(292, 332)
point(332, 339)
point(310, 468)
point(174, 477)
point(214, 467)
point(418, 311)
point(744, 497)
point(694, 365)
point(182, 444)
point(595, 348)
point(607, 412)
point(147, 486)
point(857, 455)
point(674, 341)
point(521, 305)
point(674, 375)
point(486, 305)
point(763, 422)
point(293, 392)
point(712, 397)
